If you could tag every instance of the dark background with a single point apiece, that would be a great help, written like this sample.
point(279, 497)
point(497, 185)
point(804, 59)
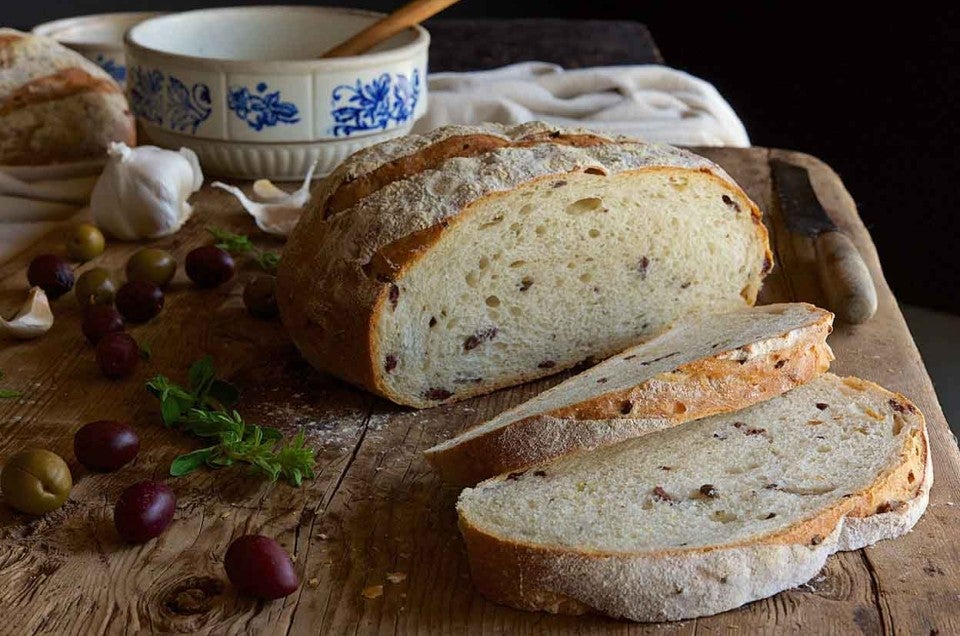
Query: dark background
point(872, 93)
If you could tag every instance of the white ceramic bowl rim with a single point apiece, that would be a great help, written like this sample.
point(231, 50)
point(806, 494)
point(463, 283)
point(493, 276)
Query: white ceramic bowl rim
point(387, 56)
point(65, 29)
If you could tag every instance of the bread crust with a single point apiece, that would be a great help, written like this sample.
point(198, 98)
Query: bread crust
point(677, 584)
point(704, 387)
point(330, 299)
point(55, 105)
point(370, 169)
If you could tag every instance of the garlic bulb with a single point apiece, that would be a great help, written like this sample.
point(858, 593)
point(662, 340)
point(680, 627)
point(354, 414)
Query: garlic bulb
point(33, 320)
point(143, 191)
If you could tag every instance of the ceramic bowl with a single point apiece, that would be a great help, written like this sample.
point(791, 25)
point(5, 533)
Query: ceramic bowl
point(244, 88)
point(97, 37)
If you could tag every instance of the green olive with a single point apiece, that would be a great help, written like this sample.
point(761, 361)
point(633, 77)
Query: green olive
point(260, 296)
point(36, 481)
point(85, 242)
point(95, 286)
point(152, 265)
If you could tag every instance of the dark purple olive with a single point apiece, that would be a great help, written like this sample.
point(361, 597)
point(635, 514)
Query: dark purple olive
point(117, 354)
point(52, 274)
point(259, 567)
point(209, 266)
point(139, 300)
point(105, 445)
point(260, 296)
point(144, 510)
point(99, 320)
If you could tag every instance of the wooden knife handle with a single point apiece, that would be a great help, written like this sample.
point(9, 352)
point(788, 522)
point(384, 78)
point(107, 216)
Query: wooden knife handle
point(845, 278)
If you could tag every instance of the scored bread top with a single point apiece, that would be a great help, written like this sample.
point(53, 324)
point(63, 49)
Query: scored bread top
point(432, 198)
point(371, 168)
point(783, 471)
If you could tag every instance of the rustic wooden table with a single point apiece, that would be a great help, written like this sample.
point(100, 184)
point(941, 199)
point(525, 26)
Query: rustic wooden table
point(374, 536)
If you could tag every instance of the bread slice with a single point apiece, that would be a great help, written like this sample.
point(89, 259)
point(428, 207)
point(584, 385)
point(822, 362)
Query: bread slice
point(704, 517)
point(699, 367)
point(56, 105)
point(491, 270)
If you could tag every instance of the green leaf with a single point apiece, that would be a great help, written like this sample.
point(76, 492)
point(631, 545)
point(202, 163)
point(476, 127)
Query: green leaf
point(186, 464)
point(170, 411)
point(271, 434)
point(233, 243)
point(201, 373)
point(268, 260)
point(7, 394)
point(224, 393)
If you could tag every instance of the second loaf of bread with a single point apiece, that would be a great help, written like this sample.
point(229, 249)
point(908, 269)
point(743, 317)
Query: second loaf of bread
point(435, 268)
point(55, 105)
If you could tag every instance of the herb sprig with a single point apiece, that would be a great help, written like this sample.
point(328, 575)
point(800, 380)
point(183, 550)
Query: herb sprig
point(7, 394)
point(240, 244)
point(202, 411)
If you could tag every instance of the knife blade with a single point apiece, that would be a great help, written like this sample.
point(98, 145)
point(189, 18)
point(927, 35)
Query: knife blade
point(846, 281)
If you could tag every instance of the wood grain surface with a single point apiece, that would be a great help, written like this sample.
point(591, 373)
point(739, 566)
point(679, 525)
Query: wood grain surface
point(374, 536)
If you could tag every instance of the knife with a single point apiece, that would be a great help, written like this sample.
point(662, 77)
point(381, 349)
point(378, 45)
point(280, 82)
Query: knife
point(844, 276)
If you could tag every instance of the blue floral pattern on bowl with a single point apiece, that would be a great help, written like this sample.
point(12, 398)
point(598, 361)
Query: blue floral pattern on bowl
point(187, 107)
point(117, 71)
point(145, 88)
point(261, 108)
point(375, 105)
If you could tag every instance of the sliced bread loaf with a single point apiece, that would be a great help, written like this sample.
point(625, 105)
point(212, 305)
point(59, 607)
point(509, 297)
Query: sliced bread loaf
point(704, 517)
point(486, 271)
point(699, 367)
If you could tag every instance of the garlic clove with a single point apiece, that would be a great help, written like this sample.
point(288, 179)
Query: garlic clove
point(33, 320)
point(265, 189)
point(281, 210)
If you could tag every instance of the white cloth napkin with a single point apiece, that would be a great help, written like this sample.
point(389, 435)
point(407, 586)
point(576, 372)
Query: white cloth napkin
point(652, 102)
point(35, 200)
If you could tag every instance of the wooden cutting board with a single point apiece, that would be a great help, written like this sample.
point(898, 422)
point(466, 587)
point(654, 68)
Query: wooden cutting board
point(374, 536)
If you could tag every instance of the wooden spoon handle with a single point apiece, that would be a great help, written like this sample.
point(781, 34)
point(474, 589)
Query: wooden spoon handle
point(406, 16)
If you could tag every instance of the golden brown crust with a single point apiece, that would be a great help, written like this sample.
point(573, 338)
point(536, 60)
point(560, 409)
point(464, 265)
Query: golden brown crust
point(705, 387)
point(350, 191)
point(520, 574)
point(56, 86)
point(322, 347)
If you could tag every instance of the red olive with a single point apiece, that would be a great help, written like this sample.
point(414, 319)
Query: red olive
point(144, 510)
point(117, 354)
point(99, 320)
point(209, 266)
point(139, 300)
point(105, 445)
point(52, 274)
point(259, 567)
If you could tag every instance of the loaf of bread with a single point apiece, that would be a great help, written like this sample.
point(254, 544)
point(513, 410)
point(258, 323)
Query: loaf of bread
point(702, 518)
point(431, 269)
point(700, 366)
point(55, 105)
